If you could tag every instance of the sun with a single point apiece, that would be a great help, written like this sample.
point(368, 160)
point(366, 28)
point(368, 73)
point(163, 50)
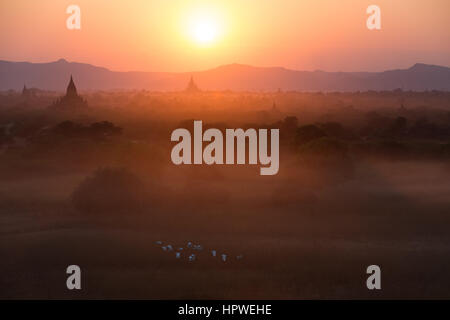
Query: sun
point(205, 26)
point(204, 31)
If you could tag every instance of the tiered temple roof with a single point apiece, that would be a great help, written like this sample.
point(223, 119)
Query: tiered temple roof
point(71, 99)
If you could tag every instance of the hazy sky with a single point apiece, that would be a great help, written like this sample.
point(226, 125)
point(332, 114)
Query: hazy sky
point(167, 35)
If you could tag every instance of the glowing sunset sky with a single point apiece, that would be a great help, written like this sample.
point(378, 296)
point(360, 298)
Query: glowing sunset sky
point(173, 35)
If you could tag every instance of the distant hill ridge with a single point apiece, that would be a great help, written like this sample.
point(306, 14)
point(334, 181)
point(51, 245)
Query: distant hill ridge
point(236, 77)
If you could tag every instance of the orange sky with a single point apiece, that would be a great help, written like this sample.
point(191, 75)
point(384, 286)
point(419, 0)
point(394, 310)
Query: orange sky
point(153, 35)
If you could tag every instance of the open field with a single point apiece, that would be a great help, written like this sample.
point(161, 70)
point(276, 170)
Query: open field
point(395, 215)
point(362, 181)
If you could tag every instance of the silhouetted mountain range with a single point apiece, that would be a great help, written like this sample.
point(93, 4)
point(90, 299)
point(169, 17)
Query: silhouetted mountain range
point(55, 76)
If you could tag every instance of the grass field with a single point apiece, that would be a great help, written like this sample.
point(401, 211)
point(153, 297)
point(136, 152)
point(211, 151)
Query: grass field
point(298, 239)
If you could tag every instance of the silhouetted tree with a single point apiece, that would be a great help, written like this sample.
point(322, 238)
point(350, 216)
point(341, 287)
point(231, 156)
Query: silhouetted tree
point(68, 129)
point(104, 129)
point(110, 190)
point(424, 129)
point(398, 127)
point(336, 130)
point(308, 133)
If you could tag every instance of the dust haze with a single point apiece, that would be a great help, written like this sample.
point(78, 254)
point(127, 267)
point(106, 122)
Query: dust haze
point(363, 179)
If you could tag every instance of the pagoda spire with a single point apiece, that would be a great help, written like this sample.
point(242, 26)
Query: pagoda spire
point(71, 89)
point(25, 91)
point(192, 87)
point(71, 99)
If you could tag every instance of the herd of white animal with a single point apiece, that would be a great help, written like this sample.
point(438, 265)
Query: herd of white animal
point(196, 247)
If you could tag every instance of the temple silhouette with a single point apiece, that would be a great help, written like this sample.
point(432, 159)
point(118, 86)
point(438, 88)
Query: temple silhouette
point(192, 87)
point(26, 93)
point(71, 99)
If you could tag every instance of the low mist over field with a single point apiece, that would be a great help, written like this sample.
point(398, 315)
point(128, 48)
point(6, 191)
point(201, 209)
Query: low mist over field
point(363, 180)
